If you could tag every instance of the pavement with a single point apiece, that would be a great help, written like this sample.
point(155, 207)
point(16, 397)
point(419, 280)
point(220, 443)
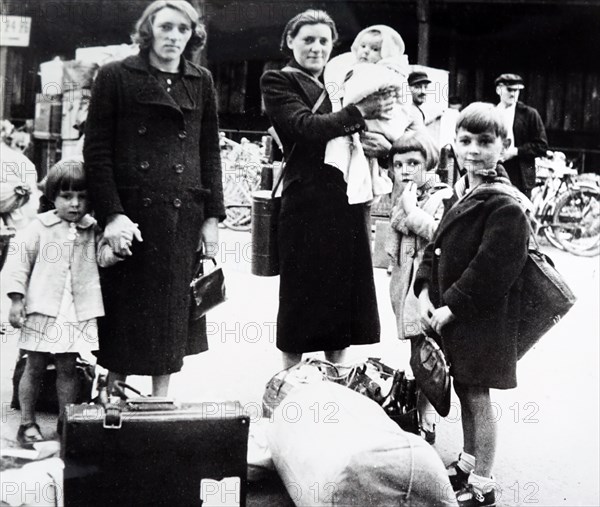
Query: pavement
point(548, 427)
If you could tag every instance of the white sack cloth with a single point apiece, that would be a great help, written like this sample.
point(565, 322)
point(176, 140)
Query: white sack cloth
point(333, 446)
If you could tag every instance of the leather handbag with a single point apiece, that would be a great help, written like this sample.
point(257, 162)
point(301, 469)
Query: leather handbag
point(208, 290)
point(432, 373)
point(545, 299)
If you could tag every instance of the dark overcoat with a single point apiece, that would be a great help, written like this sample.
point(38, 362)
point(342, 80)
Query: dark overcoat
point(473, 266)
point(531, 141)
point(327, 295)
point(157, 161)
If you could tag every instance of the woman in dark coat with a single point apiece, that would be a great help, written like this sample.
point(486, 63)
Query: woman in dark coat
point(154, 173)
point(327, 294)
point(469, 290)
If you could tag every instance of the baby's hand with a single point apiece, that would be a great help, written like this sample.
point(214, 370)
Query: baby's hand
point(16, 314)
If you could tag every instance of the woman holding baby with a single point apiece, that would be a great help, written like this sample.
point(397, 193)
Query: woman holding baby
point(327, 294)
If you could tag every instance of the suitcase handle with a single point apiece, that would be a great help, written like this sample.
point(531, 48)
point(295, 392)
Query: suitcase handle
point(119, 388)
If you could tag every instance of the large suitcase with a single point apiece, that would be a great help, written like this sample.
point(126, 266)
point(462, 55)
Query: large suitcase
point(149, 452)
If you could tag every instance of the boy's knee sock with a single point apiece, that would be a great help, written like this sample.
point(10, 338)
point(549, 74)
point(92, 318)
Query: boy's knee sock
point(482, 484)
point(466, 462)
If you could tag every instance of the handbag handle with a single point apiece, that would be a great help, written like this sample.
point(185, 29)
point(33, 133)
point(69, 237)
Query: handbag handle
point(200, 258)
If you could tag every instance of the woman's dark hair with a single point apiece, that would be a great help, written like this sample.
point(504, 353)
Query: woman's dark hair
point(480, 117)
point(420, 141)
point(68, 174)
point(308, 17)
point(143, 27)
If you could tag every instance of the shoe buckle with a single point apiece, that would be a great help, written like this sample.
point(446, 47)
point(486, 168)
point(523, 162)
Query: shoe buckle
point(478, 496)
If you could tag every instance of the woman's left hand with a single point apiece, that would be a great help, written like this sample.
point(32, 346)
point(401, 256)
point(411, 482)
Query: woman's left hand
point(209, 240)
point(375, 145)
point(440, 318)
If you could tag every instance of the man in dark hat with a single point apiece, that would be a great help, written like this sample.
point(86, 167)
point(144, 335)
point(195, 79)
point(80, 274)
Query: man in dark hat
point(418, 82)
point(525, 130)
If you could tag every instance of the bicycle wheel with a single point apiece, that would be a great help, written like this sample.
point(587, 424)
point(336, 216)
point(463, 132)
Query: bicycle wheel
point(576, 222)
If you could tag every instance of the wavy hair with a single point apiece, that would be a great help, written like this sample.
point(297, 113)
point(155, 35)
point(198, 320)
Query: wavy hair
point(143, 28)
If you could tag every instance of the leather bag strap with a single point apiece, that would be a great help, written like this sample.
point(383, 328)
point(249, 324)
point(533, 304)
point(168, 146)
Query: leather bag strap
point(316, 106)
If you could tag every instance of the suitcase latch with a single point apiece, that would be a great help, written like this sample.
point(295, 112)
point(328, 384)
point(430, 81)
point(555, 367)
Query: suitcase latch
point(112, 415)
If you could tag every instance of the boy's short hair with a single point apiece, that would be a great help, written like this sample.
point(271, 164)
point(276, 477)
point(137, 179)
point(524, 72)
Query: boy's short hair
point(480, 117)
point(418, 140)
point(67, 174)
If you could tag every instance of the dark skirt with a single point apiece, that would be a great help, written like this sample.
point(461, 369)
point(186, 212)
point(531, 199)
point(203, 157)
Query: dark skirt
point(327, 295)
point(146, 328)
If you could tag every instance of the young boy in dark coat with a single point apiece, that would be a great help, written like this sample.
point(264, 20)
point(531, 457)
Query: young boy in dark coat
point(469, 289)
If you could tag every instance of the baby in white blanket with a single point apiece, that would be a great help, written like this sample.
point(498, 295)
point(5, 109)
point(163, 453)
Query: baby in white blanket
point(376, 63)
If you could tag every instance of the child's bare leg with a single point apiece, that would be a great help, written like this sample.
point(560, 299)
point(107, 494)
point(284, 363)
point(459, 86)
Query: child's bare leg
point(29, 387)
point(479, 426)
point(426, 412)
point(66, 380)
point(160, 385)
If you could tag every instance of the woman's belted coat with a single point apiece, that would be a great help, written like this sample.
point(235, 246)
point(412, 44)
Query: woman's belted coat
point(156, 160)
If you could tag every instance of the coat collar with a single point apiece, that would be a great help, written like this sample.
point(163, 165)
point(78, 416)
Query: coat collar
point(152, 93)
point(140, 62)
point(50, 218)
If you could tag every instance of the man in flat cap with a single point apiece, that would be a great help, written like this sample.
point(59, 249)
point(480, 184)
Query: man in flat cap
point(418, 82)
point(525, 130)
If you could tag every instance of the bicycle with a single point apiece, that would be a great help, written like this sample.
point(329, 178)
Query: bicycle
point(242, 166)
point(566, 206)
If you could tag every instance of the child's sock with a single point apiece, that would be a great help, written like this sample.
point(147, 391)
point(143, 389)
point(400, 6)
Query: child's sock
point(466, 462)
point(482, 484)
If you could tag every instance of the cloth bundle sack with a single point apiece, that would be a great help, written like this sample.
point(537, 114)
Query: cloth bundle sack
point(333, 446)
point(47, 400)
point(208, 290)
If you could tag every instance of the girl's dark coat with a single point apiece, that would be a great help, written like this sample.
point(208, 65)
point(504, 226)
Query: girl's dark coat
point(327, 294)
point(473, 266)
point(157, 161)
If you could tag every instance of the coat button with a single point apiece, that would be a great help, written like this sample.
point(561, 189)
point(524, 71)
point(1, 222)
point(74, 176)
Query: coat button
point(438, 252)
point(177, 203)
point(178, 168)
point(142, 130)
point(182, 134)
point(146, 202)
point(144, 165)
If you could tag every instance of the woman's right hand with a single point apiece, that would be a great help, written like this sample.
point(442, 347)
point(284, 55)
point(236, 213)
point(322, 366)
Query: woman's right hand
point(120, 232)
point(376, 105)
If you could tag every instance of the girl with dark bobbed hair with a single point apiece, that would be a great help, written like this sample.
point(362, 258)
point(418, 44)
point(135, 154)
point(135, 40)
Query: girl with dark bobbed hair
point(154, 172)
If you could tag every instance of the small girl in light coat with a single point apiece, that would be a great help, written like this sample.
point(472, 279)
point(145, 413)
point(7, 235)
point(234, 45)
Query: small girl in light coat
point(54, 286)
point(418, 208)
